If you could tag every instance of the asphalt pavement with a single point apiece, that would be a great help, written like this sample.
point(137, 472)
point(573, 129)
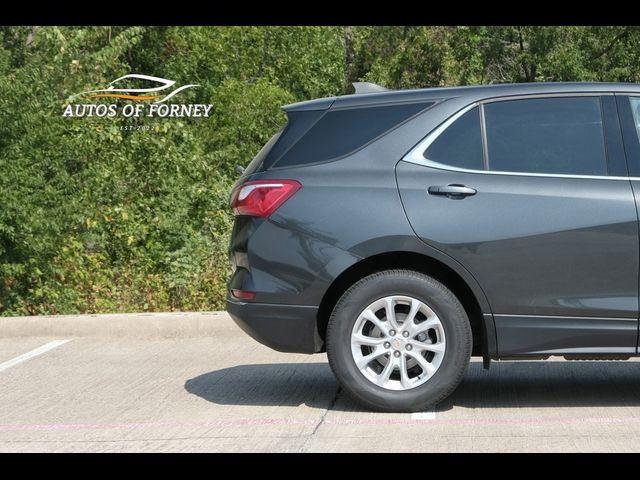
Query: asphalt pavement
point(211, 388)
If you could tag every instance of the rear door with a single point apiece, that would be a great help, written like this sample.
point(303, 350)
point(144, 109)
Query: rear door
point(532, 196)
point(629, 111)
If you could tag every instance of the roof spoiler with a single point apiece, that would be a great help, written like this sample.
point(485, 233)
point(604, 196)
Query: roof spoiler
point(368, 87)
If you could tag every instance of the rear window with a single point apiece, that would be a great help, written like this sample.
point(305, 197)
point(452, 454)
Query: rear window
point(341, 132)
point(258, 160)
point(299, 124)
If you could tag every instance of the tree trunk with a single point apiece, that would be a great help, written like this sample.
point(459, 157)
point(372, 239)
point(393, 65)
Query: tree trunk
point(349, 58)
point(30, 35)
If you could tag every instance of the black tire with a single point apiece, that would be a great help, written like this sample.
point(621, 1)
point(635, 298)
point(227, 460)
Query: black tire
point(439, 298)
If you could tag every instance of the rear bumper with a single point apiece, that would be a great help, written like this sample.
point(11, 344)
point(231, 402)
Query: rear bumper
point(285, 328)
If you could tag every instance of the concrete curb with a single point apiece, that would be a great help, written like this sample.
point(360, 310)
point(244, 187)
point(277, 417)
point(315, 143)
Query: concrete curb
point(161, 325)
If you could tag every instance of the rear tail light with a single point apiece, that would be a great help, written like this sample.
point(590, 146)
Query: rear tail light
point(243, 294)
point(261, 198)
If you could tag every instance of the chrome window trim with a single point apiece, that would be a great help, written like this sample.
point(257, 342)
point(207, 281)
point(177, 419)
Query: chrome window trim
point(416, 156)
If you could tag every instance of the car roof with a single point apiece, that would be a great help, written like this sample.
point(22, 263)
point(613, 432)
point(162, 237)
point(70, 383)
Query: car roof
point(473, 92)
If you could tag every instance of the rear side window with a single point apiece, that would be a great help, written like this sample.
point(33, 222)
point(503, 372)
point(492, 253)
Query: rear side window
point(341, 132)
point(460, 145)
point(546, 135)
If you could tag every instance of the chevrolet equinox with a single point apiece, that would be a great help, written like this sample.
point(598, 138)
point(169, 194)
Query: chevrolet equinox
point(403, 232)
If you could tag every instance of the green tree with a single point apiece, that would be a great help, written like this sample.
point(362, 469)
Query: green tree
point(97, 218)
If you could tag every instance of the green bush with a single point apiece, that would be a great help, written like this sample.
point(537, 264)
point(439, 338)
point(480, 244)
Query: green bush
point(97, 218)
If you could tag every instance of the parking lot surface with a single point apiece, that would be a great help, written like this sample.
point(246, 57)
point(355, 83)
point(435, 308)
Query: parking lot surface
point(223, 392)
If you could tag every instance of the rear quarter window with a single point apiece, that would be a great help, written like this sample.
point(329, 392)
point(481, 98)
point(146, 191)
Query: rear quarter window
point(341, 132)
point(460, 145)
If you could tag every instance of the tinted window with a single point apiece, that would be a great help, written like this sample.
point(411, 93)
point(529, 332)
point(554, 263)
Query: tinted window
point(546, 135)
point(262, 154)
point(339, 132)
point(460, 145)
point(635, 109)
point(297, 126)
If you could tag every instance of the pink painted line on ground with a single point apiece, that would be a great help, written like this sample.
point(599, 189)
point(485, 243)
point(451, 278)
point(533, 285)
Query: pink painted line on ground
point(311, 422)
point(484, 421)
point(140, 425)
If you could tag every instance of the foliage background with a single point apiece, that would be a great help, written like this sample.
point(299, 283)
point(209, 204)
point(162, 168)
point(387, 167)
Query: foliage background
point(94, 218)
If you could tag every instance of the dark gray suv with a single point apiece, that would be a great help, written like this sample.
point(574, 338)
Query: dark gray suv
point(404, 231)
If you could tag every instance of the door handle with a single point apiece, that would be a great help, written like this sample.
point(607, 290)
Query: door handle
point(453, 191)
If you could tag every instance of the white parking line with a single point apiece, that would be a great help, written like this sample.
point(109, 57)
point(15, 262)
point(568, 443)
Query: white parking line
point(428, 415)
point(33, 353)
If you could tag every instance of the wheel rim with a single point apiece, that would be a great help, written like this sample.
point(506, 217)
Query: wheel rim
point(398, 342)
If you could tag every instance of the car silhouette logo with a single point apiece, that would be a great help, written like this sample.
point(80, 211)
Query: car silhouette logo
point(138, 94)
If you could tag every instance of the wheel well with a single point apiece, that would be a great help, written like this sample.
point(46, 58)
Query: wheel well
point(409, 261)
